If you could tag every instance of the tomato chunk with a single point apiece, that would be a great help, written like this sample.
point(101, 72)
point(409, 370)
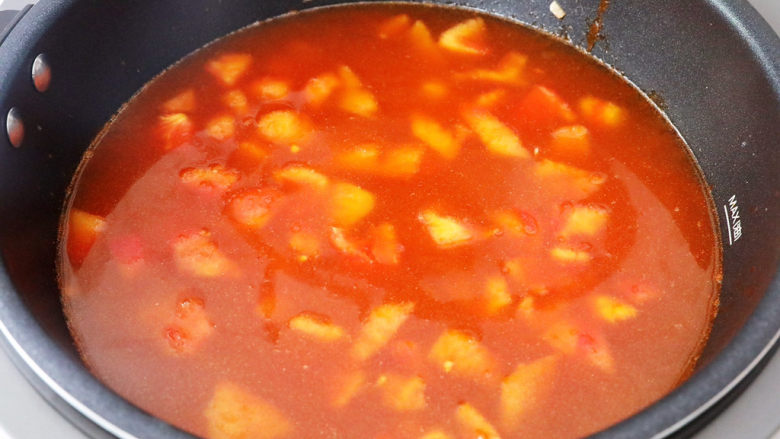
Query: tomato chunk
point(83, 229)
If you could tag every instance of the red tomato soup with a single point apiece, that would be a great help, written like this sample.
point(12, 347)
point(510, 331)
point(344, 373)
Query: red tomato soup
point(389, 221)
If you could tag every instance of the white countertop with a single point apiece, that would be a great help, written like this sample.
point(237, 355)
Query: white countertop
point(24, 414)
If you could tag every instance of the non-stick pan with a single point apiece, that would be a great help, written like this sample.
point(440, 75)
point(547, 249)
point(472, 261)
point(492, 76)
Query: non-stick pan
point(712, 66)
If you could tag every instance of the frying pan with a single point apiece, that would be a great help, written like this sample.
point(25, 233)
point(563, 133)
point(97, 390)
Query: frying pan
point(712, 66)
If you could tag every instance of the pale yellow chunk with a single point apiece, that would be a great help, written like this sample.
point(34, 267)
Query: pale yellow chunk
point(228, 68)
point(403, 394)
point(614, 310)
point(402, 162)
point(221, 127)
point(380, 326)
point(316, 328)
point(567, 176)
point(270, 88)
point(436, 434)
point(284, 126)
point(600, 111)
point(497, 137)
point(236, 100)
point(460, 354)
point(465, 37)
point(421, 36)
point(183, 102)
point(348, 388)
point(584, 220)
point(302, 175)
point(509, 71)
point(305, 245)
point(434, 89)
point(212, 177)
point(524, 389)
point(198, 255)
point(234, 413)
point(434, 135)
point(566, 255)
point(318, 89)
point(384, 244)
point(393, 26)
point(490, 98)
point(340, 240)
point(359, 101)
point(526, 306)
point(475, 423)
point(349, 78)
point(445, 231)
point(363, 158)
point(350, 204)
point(497, 295)
point(510, 222)
point(573, 139)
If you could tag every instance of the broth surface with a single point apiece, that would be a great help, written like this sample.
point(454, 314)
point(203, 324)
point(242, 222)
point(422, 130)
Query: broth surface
point(389, 221)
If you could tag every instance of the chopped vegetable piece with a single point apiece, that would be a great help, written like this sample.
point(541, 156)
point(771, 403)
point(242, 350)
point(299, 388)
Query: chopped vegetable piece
point(446, 231)
point(563, 337)
point(302, 175)
point(499, 138)
point(403, 394)
point(597, 352)
point(348, 78)
point(189, 327)
point(465, 37)
point(526, 306)
point(236, 100)
point(359, 101)
point(434, 135)
point(270, 89)
point(563, 254)
point(600, 111)
point(305, 245)
point(183, 102)
point(516, 223)
point(402, 162)
point(394, 26)
point(543, 106)
point(252, 152)
point(380, 326)
point(198, 255)
point(384, 244)
point(421, 36)
point(461, 354)
point(436, 434)
point(236, 414)
point(571, 140)
point(316, 327)
point(490, 98)
point(221, 127)
point(319, 88)
point(509, 71)
point(513, 268)
point(339, 240)
point(83, 230)
point(175, 129)
point(361, 158)
point(584, 220)
point(574, 181)
point(497, 295)
point(252, 207)
point(475, 423)
point(213, 177)
point(613, 310)
point(284, 126)
point(350, 204)
point(349, 387)
point(524, 388)
point(228, 68)
point(434, 89)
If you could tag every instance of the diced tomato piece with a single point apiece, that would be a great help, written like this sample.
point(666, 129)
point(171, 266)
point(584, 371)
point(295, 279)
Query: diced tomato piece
point(214, 177)
point(175, 129)
point(380, 326)
point(434, 135)
point(284, 126)
point(228, 68)
point(466, 37)
point(394, 26)
point(403, 394)
point(474, 423)
point(524, 389)
point(544, 107)
point(497, 137)
point(384, 244)
point(198, 255)
point(83, 230)
point(458, 353)
point(233, 413)
point(446, 231)
point(183, 102)
point(350, 204)
point(253, 207)
point(270, 88)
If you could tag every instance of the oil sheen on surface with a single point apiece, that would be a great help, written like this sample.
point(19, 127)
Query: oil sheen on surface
point(389, 222)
